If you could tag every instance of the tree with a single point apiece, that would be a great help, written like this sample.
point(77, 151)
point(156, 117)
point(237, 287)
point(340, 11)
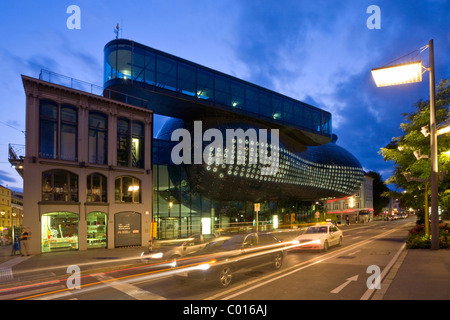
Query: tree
point(379, 187)
point(401, 149)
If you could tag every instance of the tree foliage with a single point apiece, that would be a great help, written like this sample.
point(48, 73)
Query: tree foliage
point(379, 188)
point(401, 149)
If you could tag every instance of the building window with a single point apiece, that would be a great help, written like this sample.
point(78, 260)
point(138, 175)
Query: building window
point(98, 138)
point(96, 188)
point(137, 145)
point(130, 143)
point(123, 142)
point(97, 223)
point(59, 231)
point(57, 131)
point(128, 190)
point(59, 185)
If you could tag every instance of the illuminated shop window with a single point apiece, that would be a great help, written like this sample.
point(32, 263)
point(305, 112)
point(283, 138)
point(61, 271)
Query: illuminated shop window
point(59, 231)
point(96, 229)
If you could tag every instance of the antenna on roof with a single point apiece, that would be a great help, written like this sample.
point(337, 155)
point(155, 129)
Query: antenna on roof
point(116, 31)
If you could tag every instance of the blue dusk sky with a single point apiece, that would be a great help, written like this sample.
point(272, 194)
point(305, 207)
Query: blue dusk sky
point(319, 52)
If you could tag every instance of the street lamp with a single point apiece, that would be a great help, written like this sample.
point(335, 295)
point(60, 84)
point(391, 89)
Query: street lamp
point(408, 73)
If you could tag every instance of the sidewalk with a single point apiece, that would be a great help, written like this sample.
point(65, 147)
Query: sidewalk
point(418, 274)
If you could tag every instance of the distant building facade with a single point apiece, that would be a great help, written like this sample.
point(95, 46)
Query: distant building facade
point(5, 210)
point(358, 207)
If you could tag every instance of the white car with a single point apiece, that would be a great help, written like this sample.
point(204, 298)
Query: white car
point(319, 237)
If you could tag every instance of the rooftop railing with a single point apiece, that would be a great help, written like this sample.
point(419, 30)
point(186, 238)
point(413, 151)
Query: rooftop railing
point(84, 86)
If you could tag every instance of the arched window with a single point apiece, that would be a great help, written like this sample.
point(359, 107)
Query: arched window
point(59, 185)
point(96, 188)
point(127, 189)
point(98, 138)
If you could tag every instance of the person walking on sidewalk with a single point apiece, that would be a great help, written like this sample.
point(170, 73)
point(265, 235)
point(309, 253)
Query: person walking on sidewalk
point(24, 242)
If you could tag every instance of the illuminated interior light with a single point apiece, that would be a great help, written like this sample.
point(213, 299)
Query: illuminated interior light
point(398, 74)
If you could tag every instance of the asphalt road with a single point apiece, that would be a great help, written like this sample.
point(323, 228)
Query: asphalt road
point(342, 273)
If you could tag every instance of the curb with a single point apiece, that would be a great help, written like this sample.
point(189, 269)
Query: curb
point(379, 294)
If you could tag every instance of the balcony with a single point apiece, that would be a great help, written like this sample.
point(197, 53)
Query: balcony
point(16, 154)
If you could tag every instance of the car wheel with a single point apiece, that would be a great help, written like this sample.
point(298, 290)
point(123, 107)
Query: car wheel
point(325, 246)
point(278, 260)
point(225, 276)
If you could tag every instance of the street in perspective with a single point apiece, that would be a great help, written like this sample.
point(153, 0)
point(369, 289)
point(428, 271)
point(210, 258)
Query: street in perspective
point(229, 158)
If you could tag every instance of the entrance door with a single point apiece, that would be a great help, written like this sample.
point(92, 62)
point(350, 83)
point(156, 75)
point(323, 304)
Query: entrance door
point(127, 229)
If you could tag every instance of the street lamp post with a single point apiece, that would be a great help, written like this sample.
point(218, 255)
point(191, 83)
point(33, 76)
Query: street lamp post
point(433, 155)
point(408, 73)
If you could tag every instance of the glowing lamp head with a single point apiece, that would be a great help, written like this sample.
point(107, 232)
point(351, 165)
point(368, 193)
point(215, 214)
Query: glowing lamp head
point(398, 74)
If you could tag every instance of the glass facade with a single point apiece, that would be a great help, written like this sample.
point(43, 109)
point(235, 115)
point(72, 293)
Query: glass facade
point(127, 60)
point(211, 196)
point(185, 199)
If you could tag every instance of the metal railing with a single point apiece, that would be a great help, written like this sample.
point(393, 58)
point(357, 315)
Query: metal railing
point(91, 88)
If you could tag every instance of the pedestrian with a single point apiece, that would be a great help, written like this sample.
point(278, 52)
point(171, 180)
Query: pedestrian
point(24, 242)
point(347, 219)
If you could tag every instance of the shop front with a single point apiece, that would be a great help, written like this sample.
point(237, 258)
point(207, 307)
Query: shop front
point(97, 223)
point(59, 231)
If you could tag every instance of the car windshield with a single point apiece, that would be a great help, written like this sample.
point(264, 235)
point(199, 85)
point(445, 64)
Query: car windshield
point(316, 230)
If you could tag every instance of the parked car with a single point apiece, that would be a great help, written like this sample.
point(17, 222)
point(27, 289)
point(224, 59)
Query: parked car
point(319, 237)
point(225, 256)
point(177, 248)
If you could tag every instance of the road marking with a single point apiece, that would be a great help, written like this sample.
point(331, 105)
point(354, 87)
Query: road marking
point(6, 274)
point(354, 238)
point(248, 286)
point(12, 262)
point(342, 286)
point(29, 292)
point(133, 291)
point(370, 292)
point(353, 253)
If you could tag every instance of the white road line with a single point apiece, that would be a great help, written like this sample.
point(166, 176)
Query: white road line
point(369, 292)
point(12, 262)
point(6, 274)
point(282, 273)
point(342, 286)
point(129, 289)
